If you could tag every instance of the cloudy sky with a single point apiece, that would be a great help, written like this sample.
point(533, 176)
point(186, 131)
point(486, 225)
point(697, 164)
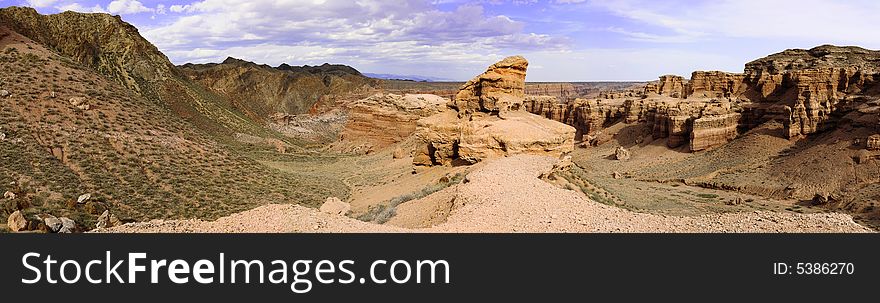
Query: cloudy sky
point(564, 40)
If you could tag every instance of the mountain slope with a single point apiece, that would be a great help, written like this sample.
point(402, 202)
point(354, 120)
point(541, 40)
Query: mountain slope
point(71, 128)
point(260, 91)
point(115, 49)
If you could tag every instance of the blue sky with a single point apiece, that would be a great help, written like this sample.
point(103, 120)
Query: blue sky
point(564, 40)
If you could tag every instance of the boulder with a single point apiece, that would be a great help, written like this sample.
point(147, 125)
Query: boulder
point(83, 198)
point(622, 154)
point(9, 195)
point(616, 175)
point(16, 221)
point(335, 206)
point(52, 223)
point(80, 103)
point(107, 220)
point(4, 93)
point(67, 225)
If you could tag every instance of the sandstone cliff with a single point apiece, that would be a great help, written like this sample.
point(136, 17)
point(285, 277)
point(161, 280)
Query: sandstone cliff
point(807, 90)
point(487, 121)
point(498, 90)
point(384, 119)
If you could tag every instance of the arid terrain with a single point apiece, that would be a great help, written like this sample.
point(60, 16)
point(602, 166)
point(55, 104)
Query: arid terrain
point(100, 132)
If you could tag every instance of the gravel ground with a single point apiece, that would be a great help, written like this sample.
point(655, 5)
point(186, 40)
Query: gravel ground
point(506, 195)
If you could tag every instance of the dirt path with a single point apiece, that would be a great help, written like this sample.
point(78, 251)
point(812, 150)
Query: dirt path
point(506, 195)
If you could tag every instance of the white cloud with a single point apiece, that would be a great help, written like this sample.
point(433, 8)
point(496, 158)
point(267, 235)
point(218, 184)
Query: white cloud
point(76, 7)
point(370, 34)
point(838, 22)
point(125, 7)
point(41, 3)
point(177, 8)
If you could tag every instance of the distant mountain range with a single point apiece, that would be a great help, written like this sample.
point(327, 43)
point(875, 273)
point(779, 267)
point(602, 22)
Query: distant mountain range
point(405, 77)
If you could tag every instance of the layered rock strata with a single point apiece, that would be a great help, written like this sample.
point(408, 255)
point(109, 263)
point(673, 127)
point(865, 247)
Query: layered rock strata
point(487, 120)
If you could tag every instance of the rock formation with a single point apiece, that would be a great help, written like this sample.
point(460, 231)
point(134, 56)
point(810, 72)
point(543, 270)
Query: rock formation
point(669, 85)
point(805, 89)
point(487, 122)
point(385, 119)
point(498, 90)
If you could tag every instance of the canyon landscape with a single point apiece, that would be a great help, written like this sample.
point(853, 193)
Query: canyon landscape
point(101, 132)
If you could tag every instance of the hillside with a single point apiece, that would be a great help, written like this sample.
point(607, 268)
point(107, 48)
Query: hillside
point(116, 50)
point(114, 120)
point(260, 91)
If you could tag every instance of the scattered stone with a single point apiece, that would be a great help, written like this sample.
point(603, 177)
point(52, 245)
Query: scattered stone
point(16, 221)
point(563, 164)
point(107, 220)
point(80, 102)
point(4, 93)
point(616, 175)
point(874, 142)
point(736, 201)
point(398, 153)
point(67, 225)
point(83, 198)
point(52, 223)
point(9, 195)
point(622, 154)
point(823, 198)
point(2, 136)
point(335, 206)
point(52, 95)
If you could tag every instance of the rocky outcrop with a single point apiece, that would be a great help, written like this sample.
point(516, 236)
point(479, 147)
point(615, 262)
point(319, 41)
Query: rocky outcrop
point(806, 90)
point(101, 41)
point(498, 90)
point(385, 119)
point(715, 84)
point(669, 85)
point(812, 82)
point(487, 121)
point(713, 130)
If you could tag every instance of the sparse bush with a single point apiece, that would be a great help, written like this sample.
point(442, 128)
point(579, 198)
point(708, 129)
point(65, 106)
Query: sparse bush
point(383, 212)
